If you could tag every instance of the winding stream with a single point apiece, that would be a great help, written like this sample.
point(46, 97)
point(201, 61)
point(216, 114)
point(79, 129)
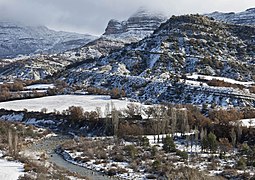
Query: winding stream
point(50, 144)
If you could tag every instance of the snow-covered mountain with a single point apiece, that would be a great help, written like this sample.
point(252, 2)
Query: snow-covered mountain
point(138, 26)
point(118, 33)
point(244, 18)
point(155, 69)
point(18, 39)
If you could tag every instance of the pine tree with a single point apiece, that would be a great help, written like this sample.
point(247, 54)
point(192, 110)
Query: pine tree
point(212, 142)
point(168, 144)
point(204, 143)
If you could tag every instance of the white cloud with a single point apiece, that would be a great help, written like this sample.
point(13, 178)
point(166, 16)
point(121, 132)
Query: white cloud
point(92, 15)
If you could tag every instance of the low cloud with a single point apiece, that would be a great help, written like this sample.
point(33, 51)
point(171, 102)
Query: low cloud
point(91, 16)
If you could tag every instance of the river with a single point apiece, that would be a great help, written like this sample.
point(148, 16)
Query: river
point(50, 144)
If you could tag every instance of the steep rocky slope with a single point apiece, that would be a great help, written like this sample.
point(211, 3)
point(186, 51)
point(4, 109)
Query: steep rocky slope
point(244, 18)
point(18, 39)
point(154, 69)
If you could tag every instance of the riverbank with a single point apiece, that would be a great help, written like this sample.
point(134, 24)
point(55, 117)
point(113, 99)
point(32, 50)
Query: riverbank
point(48, 145)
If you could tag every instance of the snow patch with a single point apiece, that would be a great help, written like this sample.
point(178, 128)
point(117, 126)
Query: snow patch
point(232, 81)
point(40, 86)
point(10, 170)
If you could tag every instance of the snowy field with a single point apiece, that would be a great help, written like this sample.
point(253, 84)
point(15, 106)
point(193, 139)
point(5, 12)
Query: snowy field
point(248, 122)
point(62, 102)
point(40, 86)
point(10, 170)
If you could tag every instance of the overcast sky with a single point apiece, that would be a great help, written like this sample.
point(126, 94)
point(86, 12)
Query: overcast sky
point(91, 16)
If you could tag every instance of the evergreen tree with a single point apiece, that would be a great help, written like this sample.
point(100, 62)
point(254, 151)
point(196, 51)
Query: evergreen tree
point(168, 144)
point(145, 141)
point(204, 143)
point(212, 142)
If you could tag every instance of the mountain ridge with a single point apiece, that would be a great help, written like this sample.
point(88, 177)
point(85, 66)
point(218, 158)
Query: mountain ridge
point(19, 39)
point(246, 17)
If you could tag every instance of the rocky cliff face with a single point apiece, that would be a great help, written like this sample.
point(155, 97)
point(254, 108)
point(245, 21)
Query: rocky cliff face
point(244, 18)
point(117, 34)
point(138, 26)
point(18, 39)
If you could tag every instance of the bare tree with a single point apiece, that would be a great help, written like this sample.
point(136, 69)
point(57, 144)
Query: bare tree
point(148, 111)
point(157, 118)
point(166, 121)
point(203, 137)
point(196, 136)
point(99, 112)
point(44, 110)
point(107, 117)
point(107, 110)
point(115, 121)
point(233, 137)
point(183, 119)
point(133, 110)
point(239, 131)
point(10, 141)
point(173, 120)
point(76, 113)
point(15, 144)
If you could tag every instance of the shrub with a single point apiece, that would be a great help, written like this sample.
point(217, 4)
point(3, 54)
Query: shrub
point(112, 172)
point(182, 154)
point(168, 144)
point(241, 163)
point(145, 141)
point(156, 165)
point(131, 150)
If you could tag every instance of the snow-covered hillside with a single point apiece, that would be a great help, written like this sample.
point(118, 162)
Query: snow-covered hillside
point(151, 69)
point(245, 18)
point(34, 67)
point(16, 39)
